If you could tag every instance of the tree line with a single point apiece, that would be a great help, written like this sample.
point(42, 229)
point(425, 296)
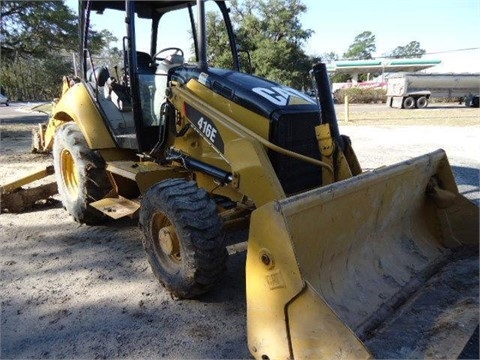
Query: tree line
point(39, 40)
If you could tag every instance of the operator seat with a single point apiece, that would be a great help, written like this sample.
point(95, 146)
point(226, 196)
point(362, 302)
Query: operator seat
point(145, 64)
point(98, 76)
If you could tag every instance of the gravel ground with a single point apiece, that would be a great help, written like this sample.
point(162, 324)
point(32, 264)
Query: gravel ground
point(71, 291)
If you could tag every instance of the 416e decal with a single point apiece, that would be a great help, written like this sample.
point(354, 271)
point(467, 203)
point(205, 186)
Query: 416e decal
point(205, 125)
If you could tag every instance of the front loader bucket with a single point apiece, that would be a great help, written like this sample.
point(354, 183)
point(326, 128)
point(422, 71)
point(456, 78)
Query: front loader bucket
point(380, 265)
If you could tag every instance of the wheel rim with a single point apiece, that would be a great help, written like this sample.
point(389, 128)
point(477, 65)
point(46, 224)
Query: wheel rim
point(167, 244)
point(69, 172)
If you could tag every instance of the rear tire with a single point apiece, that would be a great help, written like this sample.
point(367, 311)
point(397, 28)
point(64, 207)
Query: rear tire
point(408, 102)
point(184, 237)
point(80, 174)
point(422, 102)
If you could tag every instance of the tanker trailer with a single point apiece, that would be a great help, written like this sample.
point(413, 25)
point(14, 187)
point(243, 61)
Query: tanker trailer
point(413, 90)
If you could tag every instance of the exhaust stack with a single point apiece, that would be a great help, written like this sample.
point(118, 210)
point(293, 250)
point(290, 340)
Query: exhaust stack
point(202, 36)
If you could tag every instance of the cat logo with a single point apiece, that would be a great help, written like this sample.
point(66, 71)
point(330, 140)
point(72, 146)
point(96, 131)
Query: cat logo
point(283, 96)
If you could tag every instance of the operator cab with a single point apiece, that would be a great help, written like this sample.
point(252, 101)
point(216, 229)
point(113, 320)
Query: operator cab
point(130, 78)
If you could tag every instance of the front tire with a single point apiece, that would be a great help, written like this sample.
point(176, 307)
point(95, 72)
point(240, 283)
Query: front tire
point(184, 237)
point(80, 174)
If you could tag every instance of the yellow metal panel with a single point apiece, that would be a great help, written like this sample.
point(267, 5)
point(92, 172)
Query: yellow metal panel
point(117, 208)
point(251, 120)
point(148, 178)
point(318, 333)
point(285, 318)
point(77, 105)
point(273, 279)
point(130, 169)
point(52, 126)
point(256, 177)
point(145, 173)
point(116, 154)
point(327, 148)
point(459, 218)
point(213, 187)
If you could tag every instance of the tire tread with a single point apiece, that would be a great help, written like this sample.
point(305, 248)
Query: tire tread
point(195, 214)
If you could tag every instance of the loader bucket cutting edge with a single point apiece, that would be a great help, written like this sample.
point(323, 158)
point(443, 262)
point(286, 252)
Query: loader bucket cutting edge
point(329, 269)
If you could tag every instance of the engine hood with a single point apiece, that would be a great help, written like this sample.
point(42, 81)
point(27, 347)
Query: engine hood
point(256, 94)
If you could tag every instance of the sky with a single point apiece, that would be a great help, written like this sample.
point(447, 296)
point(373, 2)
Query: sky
point(444, 28)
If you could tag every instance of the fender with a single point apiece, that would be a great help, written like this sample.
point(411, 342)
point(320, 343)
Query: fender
point(77, 105)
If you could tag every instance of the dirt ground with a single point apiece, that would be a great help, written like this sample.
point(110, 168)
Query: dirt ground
point(73, 291)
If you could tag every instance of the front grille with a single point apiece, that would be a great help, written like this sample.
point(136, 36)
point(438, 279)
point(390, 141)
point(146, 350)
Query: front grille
point(295, 132)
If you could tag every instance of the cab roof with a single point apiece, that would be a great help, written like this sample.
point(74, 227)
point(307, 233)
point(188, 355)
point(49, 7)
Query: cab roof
point(143, 8)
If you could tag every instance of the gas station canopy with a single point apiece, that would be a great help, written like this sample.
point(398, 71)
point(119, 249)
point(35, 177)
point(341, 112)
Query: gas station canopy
point(380, 66)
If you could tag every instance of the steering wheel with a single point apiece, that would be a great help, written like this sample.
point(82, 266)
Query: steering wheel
point(175, 51)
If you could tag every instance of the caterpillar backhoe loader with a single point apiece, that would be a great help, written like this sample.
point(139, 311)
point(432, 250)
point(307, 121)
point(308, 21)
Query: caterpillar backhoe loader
point(341, 263)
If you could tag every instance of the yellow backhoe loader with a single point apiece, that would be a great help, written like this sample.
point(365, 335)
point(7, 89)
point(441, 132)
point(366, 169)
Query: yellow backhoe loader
point(341, 263)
